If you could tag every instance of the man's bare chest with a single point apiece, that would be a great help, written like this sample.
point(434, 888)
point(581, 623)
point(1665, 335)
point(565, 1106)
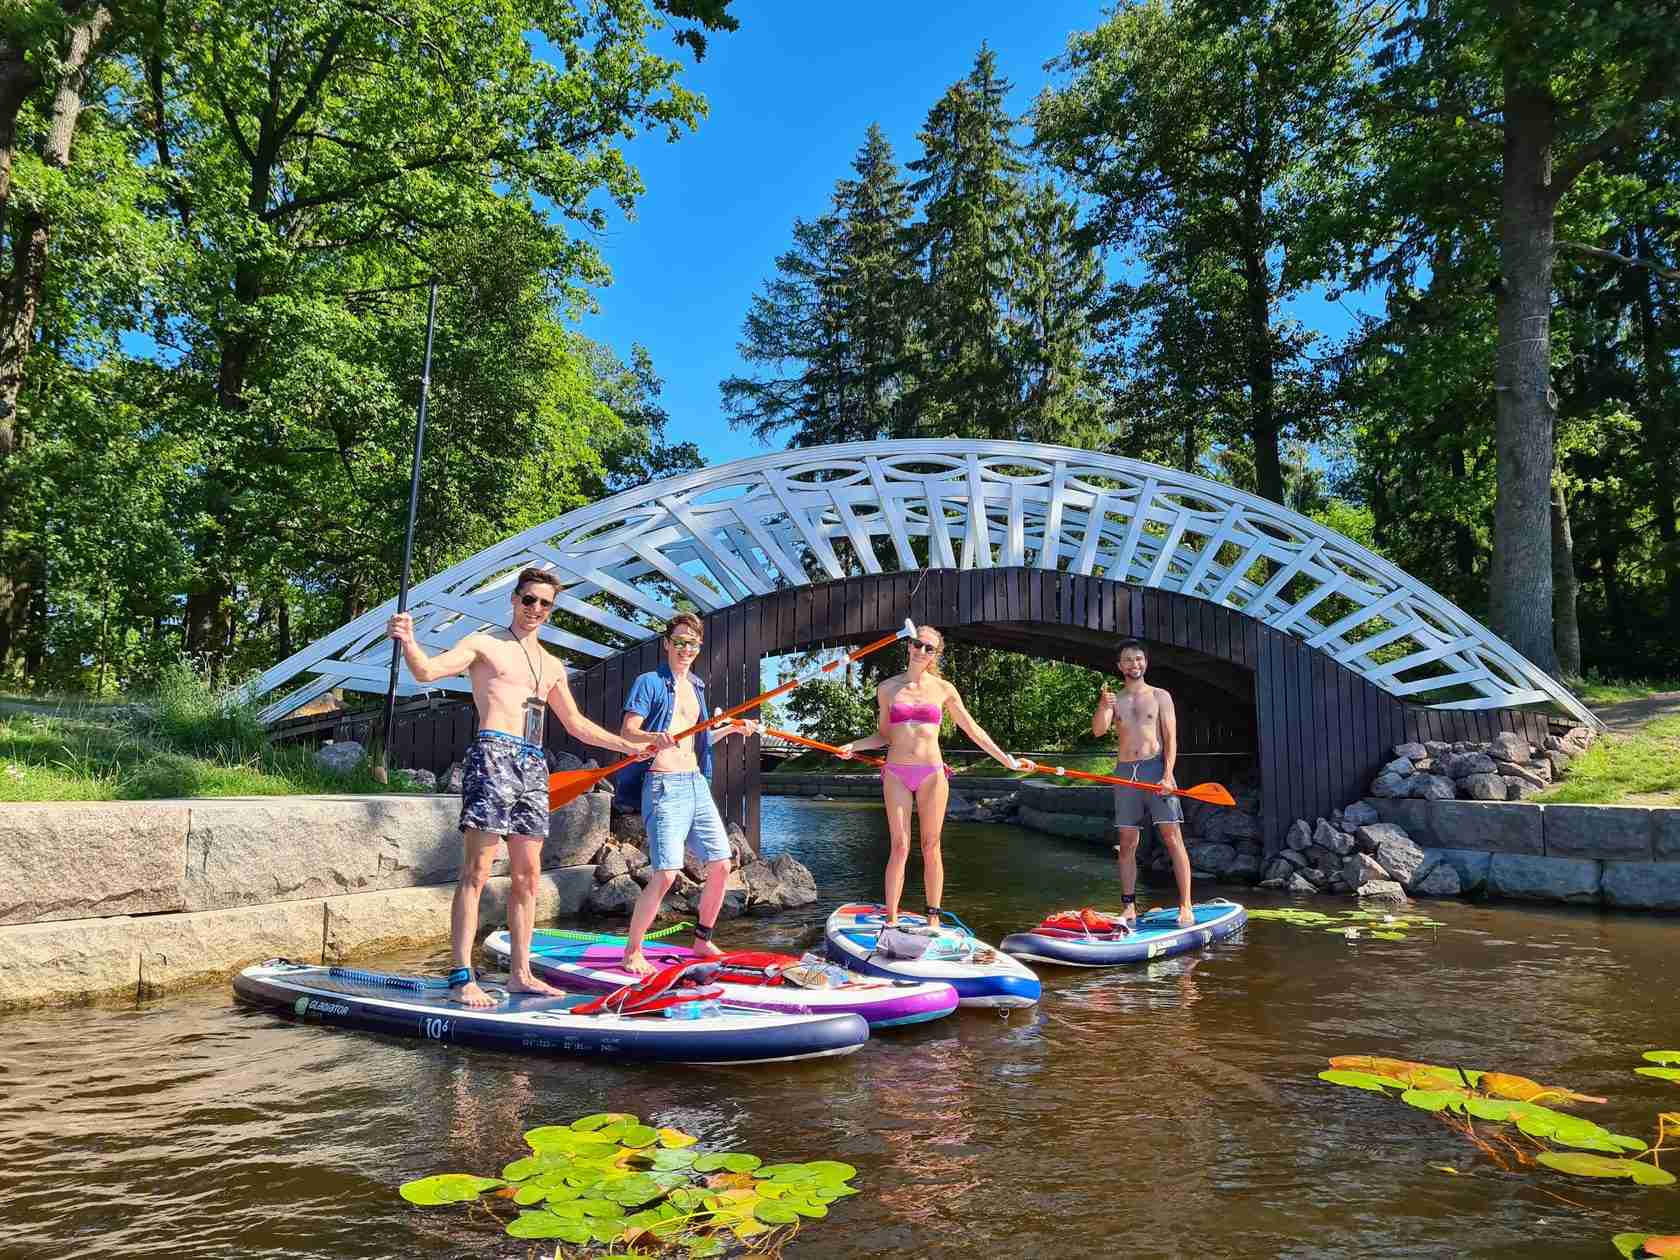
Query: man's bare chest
point(506, 664)
point(1138, 713)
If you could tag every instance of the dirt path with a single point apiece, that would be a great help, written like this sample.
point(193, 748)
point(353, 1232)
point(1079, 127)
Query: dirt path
point(1630, 715)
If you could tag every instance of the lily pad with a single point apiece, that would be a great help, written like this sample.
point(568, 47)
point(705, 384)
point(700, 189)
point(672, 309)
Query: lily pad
point(787, 1172)
point(741, 1163)
point(675, 1139)
point(1436, 1099)
point(528, 1196)
point(1387, 935)
point(1662, 1056)
point(771, 1212)
point(673, 1160)
point(832, 1169)
point(1661, 1073)
point(639, 1135)
point(1581, 1164)
point(447, 1188)
point(548, 1225)
point(633, 1191)
point(600, 1120)
point(1360, 1080)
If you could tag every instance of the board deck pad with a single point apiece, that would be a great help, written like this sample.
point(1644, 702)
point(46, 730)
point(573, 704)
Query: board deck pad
point(1157, 935)
point(981, 974)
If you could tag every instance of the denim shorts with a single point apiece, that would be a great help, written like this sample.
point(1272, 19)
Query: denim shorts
point(680, 815)
point(1132, 806)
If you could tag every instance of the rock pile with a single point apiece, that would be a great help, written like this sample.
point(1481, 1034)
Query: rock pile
point(755, 886)
point(1352, 853)
point(1505, 768)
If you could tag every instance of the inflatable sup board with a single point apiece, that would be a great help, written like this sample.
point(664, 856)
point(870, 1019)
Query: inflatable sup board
point(413, 1006)
point(756, 981)
point(981, 975)
point(1157, 935)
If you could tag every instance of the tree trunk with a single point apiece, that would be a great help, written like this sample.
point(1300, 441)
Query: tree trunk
point(1262, 373)
point(1520, 577)
point(1565, 589)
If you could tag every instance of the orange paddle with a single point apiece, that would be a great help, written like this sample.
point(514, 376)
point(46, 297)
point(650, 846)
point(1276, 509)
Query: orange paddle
point(1208, 793)
point(820, 746)
point(568, 785)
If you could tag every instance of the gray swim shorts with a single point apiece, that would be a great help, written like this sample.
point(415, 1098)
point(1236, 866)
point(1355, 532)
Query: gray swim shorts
point(504, 786)
point(1133, 806)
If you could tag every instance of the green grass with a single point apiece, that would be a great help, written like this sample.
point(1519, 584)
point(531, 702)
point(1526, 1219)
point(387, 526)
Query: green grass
point(1596, 690)
point(77, 756)
point(1638, 769)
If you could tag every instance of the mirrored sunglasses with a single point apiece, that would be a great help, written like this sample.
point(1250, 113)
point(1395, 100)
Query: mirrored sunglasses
point(538, 600)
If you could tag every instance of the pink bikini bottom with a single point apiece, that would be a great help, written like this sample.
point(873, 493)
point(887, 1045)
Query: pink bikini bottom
point(913, 776)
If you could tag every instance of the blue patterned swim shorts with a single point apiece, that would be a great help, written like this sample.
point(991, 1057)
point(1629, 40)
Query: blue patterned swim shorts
point(504, 787)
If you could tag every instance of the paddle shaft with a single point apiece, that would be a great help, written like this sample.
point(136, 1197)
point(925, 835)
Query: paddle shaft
point(1212, 793)
point(820, 746)
point(582, 781)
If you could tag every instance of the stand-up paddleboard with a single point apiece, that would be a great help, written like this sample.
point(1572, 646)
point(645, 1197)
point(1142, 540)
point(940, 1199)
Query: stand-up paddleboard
point(1157, 935)
point(412, 1006)
point(759, 981)
point(981, 975)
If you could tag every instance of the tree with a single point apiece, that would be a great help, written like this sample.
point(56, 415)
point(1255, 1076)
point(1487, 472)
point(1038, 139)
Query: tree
point(1527, 104)
point(1206, 135)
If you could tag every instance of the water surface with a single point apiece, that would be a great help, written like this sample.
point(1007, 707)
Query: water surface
point(1169, 1110)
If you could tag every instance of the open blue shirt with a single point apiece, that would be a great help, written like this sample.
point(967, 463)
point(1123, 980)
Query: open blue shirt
point(653, 696)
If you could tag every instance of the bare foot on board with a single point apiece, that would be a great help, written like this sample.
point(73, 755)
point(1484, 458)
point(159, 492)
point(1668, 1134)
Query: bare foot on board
point(1186, 916)
point(469, 994)
point(530, 984)
point(706, 949)
point(637, 964)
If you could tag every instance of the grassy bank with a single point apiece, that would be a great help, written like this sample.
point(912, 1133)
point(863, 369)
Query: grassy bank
point(1597, 692)
point(181, 743)
point(1638, 769)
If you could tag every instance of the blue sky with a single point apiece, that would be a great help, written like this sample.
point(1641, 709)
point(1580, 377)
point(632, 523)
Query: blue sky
point(791, 95)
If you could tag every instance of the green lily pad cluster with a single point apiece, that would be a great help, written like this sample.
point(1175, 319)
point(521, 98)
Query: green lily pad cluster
point(1469, 1095)
point(1353, 925)
point(609, 1179)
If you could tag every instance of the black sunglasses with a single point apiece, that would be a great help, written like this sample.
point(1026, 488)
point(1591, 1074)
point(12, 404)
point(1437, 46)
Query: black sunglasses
point(926, 647)
point(538, 600)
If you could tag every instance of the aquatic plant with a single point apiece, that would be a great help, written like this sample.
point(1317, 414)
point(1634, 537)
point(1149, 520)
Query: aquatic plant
point(1463, 1096)
point(1352, 925)
point(609, 1179)
point(1662, 1073)
point(1635, 1246)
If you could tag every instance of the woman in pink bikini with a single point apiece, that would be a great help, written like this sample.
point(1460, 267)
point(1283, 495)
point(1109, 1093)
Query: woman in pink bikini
point(912, 705)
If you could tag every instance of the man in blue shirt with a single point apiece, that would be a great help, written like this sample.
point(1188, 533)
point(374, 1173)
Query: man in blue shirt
point(676, 795)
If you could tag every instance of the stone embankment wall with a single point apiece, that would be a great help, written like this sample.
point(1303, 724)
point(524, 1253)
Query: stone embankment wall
point(140, 897)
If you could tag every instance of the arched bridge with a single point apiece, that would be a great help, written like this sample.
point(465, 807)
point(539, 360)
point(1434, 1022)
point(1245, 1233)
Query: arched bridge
point(1280, 635)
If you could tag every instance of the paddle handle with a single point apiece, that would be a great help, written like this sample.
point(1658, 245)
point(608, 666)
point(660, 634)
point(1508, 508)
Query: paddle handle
point(1209, 793)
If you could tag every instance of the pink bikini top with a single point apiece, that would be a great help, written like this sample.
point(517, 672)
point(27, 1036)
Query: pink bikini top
point(930, 713)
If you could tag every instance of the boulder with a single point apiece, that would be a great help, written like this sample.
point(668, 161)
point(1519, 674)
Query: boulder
point(1229, 824)
point(1337, 842)
point(634, 859)
point(1517, 770)
point(1540, 768)
point(340, 757)
point(614, 897)
point(1402, 859)
point(1296, 858)
point(1509, 746)
point(418, 780)
point(1362, 868)
point(611, 866)
point(961, 808)
point(1298, 883)
point(1642, 885)
point(1400, 765)
point(1214, 860)
point(796, 878)
point(1371, 835)
point(1441, 881)
point(1412, 751)
point(1463, 765)
point(1245, 868)
point(628, 828)
point(1560, 762)
point(452, 780)
point(1519, 789)
point(1277, 871)
point(1299, 836)
point(1357, 815)
point(1392, 786)
point(1382, 890)
point(1435, 748)
point(778, 884)
point(1483, 787)
point(1433, 787)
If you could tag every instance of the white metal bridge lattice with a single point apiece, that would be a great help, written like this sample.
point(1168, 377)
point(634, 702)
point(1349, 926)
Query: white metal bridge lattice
point(720, 535)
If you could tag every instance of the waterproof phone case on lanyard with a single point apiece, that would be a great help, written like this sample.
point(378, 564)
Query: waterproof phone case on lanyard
point(534, 721)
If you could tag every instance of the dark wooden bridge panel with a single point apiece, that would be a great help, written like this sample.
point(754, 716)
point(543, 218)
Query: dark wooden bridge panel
point(1317, 731)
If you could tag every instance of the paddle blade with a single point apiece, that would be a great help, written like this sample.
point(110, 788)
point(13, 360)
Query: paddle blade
point(565, 786)
point(1209, 793)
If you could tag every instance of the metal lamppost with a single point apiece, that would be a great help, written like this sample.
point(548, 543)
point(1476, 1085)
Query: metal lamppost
point(381, 772)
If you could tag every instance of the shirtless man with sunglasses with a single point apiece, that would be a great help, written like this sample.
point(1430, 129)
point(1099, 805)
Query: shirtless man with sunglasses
point(504, 781)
